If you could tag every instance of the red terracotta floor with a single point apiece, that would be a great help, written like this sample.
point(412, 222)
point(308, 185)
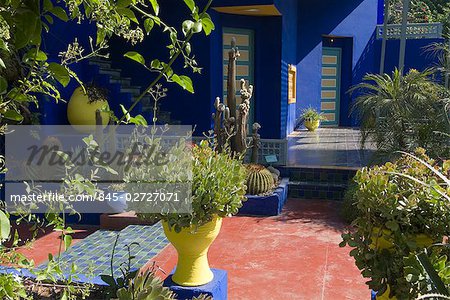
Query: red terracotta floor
point(293, 256)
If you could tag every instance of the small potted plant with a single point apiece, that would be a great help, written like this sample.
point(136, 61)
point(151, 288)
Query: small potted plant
point(399, 214)
point(311, 118)
point(218, 189)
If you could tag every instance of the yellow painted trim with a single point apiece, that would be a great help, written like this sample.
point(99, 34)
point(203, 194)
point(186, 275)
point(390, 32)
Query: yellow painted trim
point(329, 60)
point(328, 94)
point(249, 10)
point(328, 82)
point(331, 117)
point(241, 39)
point(329, 71)
point(328, 105)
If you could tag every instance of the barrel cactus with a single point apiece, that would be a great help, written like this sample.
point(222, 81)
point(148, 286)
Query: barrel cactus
point(259, 179)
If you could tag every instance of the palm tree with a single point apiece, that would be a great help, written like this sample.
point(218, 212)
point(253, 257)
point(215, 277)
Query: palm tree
point(402, 112)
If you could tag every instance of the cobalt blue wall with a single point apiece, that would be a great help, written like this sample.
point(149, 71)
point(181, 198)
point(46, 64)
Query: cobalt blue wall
point(197, 109)
point(289, 10)
point(354, 18)
point(416, 56)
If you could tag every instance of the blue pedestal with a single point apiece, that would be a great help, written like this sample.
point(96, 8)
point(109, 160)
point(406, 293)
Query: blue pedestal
point(217, 288)
point(270, 205)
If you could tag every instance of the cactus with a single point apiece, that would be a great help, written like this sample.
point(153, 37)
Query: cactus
point(230, 121)
point(259, 179)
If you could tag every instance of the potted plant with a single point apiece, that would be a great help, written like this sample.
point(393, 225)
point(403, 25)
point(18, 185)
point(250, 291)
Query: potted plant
point(218, 189)
point(311, 118)
point(83, 105)
point(398, 216)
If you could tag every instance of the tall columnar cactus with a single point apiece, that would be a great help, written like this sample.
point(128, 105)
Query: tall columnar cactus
point(259, 180)
point(230, 121)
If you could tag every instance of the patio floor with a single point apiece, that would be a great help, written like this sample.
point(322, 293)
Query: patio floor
point(291, 256)
point(328, 147)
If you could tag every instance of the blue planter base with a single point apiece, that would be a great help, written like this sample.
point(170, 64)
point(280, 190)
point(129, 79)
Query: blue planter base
point(270, 205)
point(217, 288)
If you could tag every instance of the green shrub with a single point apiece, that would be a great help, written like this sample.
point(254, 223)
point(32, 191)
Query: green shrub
point(397, 201)
point(310, 114)
point(218, 188)
point(349, 210)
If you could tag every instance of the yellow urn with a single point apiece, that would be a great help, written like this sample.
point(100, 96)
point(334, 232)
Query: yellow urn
point(192, 247)
point(385, 295)
point(312, 125)
point(81, 111)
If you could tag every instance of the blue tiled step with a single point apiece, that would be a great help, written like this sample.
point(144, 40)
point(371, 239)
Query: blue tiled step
point(316, 190)
point(92, 255)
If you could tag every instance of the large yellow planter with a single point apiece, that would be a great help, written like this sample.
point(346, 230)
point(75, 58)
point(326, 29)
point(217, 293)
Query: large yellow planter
point(385, 295)
point(382, 240)
point(192, 247)
point(312, 125)
point(81, 113)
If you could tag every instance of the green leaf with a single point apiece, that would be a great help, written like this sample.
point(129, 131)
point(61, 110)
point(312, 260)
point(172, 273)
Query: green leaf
point(101, 35)
point(188, 48)
point(148, 25)
point(155, 6)
point(5, 226)
point(13, 115)
point(138, 120)
point(184, 81)
point(108, 280)
point(135, 56)
point(190, 4)
point(60, 13)
point(3, 85)
point(187, 26)
point(60, 73)
point(2, 64)
point(392, 225)
point(124, 3)
point(128, 13)
point(197, 27)
point(26, 23)
point(155, 64)
point(67, 241)
point(49, 19)
point(33, 55)
point(208, 25)
point(48, 5)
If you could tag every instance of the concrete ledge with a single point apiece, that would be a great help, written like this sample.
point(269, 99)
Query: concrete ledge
point(217, 288)
point(270, 205)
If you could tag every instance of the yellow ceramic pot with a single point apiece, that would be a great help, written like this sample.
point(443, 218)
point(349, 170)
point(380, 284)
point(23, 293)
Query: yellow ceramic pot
point(383, 240)
point(192, 247)
point(385, 295)
point(81, 112)
point(312, 125)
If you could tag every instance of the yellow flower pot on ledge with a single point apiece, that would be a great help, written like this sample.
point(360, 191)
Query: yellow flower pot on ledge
point(312, 125)
point(81, 112)
point(192, 247)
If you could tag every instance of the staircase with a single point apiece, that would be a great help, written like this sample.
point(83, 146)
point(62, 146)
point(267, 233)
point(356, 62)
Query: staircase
point(103, 74)
point(318, 183)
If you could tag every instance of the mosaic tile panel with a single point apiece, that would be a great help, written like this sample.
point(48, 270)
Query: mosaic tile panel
point(93, 254)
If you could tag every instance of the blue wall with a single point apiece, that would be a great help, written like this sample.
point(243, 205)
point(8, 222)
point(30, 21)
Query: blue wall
point(354, 19)
point(296, 37)
point(289, 10)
